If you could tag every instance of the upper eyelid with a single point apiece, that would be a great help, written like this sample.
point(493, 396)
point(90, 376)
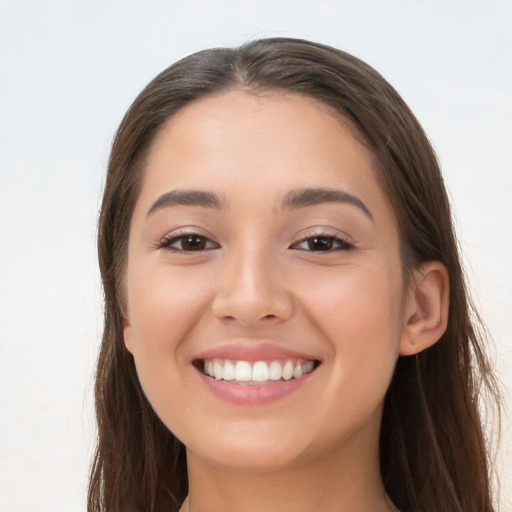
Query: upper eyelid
point(167, 240)
point(321, 231)
point(317, 231)
point(342, 239)
point(186, 231)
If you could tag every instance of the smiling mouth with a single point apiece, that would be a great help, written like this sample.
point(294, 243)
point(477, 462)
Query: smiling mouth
point(255, 373)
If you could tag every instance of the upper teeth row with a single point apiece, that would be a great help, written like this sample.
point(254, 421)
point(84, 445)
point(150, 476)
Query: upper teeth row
point(260, 371)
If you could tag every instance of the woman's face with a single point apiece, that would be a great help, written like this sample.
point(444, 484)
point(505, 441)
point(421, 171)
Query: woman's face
point(263, 251)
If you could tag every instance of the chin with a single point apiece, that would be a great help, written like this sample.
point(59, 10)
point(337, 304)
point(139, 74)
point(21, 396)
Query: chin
point(256, 450)
point(255, 460)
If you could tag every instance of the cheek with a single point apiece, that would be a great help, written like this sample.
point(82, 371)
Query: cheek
point(163, 307)
point(359, 313)
point(366, 301)
point(163, 310)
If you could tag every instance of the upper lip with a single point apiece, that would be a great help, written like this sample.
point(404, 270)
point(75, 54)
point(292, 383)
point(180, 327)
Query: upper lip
point(253, 351)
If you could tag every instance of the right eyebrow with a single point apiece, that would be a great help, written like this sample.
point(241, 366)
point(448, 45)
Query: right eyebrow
point(188, 198)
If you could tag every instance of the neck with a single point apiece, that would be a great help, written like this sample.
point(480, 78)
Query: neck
point(339, 481)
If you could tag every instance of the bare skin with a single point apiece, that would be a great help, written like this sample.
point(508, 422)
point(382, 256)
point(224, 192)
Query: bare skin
point(261, 223)
point(288, 490)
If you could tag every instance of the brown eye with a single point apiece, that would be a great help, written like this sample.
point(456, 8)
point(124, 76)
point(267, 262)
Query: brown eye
point(321, 243)
point(188, 243)
point(193, 243)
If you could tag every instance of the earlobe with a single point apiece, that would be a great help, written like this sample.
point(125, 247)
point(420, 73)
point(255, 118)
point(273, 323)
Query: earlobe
point(426, 308)
point(127, 334)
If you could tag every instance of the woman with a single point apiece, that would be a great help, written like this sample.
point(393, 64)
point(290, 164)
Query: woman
point(286, 321)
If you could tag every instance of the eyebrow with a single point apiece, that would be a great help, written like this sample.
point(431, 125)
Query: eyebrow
point(187, 198)
point(300, 198)
point(303, 198)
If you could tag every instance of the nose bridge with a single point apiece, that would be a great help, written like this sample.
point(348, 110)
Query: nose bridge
point(251, 289)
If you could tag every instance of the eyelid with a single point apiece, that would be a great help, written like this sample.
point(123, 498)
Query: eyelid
point(342, 242)
point(345, 242)
point(339, 244)
point(166, 242)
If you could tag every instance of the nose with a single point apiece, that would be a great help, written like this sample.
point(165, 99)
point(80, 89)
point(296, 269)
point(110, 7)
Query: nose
point(252, 292)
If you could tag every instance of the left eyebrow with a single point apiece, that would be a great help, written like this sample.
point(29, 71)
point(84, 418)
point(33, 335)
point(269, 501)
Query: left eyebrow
point(302, 198)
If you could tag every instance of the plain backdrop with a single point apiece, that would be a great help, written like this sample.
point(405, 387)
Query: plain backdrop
point(68, 72)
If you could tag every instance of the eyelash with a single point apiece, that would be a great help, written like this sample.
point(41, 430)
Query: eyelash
point(341, 244)
point(330, 242)
point(167, 242)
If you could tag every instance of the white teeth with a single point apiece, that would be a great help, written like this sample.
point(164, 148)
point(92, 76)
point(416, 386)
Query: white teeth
point(297, 371)
point(217, 370)
point(260, 371)
point(243, 371)
point(257, 372)
point(229, 371)
point(275, 372)
point(288, 370)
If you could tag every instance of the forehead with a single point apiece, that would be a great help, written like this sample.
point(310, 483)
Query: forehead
point(246, 136)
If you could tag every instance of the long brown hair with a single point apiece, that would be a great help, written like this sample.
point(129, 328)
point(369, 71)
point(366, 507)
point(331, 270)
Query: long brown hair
point(433, 452)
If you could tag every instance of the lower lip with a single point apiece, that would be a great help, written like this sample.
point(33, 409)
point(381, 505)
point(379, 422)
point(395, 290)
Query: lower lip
point(245, 394)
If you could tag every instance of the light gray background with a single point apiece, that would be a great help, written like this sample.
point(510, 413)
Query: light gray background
point(69, 70)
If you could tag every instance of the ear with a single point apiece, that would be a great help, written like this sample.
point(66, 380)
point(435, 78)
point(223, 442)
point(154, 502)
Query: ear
point(127, 333)
point(426, 308)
